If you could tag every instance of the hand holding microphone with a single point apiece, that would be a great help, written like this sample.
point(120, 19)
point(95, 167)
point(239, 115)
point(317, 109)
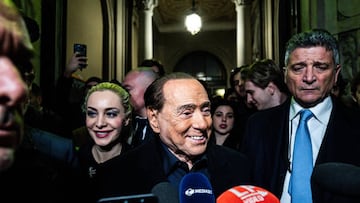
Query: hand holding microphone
point(247, 194)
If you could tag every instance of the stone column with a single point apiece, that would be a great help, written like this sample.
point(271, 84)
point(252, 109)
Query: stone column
point(147, 8)
point(243, 32)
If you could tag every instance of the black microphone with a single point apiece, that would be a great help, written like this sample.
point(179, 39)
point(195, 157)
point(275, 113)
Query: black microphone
point(338, 178)
point(165, 192)
point(195, 187)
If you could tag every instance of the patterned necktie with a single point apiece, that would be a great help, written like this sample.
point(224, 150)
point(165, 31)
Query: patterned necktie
point(302, 162)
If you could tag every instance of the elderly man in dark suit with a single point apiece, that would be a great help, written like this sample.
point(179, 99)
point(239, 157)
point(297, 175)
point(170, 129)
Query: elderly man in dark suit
point(312, 69)
point(178, 109)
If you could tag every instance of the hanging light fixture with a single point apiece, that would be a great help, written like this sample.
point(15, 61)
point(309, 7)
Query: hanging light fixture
point(193, 21)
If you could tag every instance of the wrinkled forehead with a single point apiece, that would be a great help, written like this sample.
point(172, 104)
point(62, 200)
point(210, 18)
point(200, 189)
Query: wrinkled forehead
point(185, 90)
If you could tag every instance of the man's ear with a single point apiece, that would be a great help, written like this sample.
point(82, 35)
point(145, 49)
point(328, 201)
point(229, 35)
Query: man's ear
point(152, 115)
point(272, 88)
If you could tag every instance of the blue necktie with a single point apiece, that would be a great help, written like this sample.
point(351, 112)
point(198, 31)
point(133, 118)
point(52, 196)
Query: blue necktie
point(302, 162)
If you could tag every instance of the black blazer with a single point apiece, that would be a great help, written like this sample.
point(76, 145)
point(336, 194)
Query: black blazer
point(141, 169)
point(266, 144)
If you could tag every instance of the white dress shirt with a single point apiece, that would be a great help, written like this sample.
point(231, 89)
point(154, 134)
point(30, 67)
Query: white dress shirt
point(317, 127)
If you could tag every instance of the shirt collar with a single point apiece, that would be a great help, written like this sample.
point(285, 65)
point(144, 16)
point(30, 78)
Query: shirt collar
point(171, 161)
point(321, 111)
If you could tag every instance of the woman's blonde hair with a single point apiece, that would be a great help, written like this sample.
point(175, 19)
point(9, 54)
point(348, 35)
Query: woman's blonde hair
point(121, 92)
point(125, 102)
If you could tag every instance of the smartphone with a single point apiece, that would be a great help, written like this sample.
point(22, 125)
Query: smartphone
point(80, 49)
point(143, 198)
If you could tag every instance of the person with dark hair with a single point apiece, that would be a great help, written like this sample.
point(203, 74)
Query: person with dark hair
point(42, 117)
point(16, 53)
point(231, 95)
point(25, 173)
point(224, 116)
point(155, 65)
point(237, 82)
point(284, 143)
point(178, 109)
point(264, 85)
point(243, 110)
point(33, 28)
point(70, 93)
point(340, 92)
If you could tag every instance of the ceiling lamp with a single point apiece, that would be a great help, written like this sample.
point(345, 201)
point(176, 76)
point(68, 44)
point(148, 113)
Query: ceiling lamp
point(193, 21)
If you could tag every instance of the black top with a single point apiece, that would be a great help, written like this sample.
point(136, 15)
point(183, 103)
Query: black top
point(91, 170)
point(139, 170)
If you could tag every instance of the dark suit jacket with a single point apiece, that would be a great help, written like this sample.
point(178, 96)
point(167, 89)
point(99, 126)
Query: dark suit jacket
point(138, 133)
point(141, 169)
point(266, 145)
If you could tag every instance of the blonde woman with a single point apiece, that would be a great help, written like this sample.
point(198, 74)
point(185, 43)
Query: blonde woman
point(108, 114)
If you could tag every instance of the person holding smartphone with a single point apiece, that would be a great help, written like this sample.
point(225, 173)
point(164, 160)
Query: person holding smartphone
point(67, 103)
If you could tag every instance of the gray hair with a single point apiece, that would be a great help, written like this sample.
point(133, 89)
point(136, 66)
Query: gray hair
point(312, 38)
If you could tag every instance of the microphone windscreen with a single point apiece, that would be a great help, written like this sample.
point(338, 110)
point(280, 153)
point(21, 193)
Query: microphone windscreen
point(165, 192)
point(339, 178)
point(247, 193)
point(195, 187)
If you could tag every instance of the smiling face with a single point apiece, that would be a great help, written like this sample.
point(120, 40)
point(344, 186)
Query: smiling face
point(105, 117)
point(223, 119)
point(184, 122)
point(311, 74)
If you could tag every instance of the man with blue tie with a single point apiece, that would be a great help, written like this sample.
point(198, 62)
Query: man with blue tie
point(277, 140)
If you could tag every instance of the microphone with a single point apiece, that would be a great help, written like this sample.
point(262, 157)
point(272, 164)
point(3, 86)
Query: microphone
point(339, 178)
point(165, 192)
point(195, 187)
point(247, 193)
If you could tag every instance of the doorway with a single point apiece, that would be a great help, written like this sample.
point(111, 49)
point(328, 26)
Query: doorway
point(206, 67)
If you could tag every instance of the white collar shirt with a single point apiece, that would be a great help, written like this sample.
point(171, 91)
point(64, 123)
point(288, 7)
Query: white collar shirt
point(317, 128)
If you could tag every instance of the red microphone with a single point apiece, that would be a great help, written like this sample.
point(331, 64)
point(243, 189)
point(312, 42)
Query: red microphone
point(247, 194)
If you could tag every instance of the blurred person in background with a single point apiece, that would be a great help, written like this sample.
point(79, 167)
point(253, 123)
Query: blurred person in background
point(155, 65)
point(135, 82)
point(224, 130)
point(16, 52)
point(264, 85)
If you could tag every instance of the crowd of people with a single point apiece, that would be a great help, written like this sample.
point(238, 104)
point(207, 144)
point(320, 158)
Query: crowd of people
point(128, 137)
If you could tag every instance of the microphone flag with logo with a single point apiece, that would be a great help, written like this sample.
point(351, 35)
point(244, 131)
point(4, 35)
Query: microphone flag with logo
point(247, 194)
point(195, 187)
